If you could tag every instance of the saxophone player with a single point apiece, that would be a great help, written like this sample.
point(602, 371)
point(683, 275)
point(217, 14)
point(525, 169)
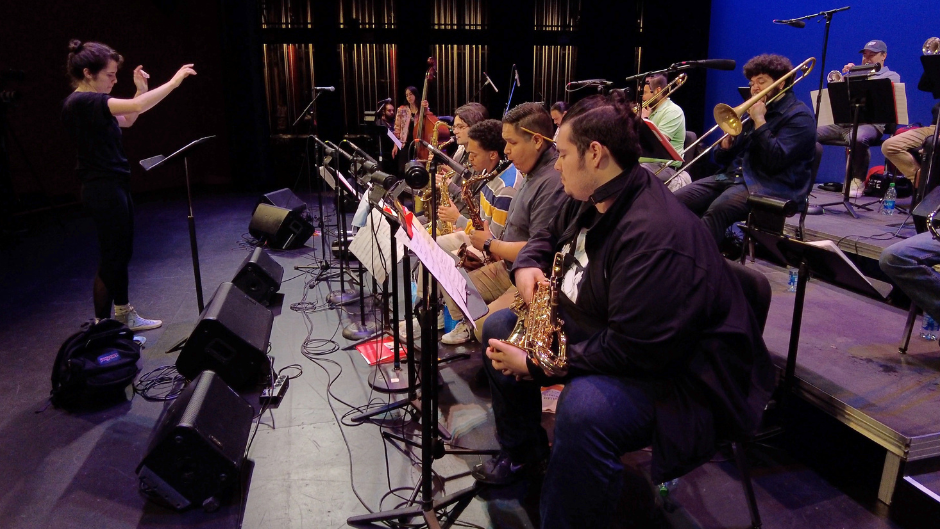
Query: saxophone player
point(527, 131)
point(662, 347)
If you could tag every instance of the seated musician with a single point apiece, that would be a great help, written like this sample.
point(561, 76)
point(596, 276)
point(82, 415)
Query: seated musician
point(663, 348)
point(526, 130)
point(897, 149)
point(874, 51)
point(669, 118)
point(772, 156)
point(911, 265)
point(492, 184)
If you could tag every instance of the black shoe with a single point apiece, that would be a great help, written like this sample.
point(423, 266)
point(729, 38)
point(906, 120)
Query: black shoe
point(500, 470)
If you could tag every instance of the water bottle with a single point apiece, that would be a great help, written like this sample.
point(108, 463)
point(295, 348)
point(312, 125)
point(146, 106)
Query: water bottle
point(928, 330)
point(667, 487)
point(887, 207)
point(791, 283)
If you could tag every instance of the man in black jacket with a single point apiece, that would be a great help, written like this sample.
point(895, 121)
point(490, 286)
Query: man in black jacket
point(663, 349)
point(773, 155)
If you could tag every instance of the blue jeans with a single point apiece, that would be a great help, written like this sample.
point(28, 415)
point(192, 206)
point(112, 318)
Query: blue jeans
point(719, 200)
point(598, 419)
point(909, 263)
point(840, 135)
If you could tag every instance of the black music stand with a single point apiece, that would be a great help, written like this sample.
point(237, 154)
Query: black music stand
point(825, 264)
point(859, 101)
point(183, 154)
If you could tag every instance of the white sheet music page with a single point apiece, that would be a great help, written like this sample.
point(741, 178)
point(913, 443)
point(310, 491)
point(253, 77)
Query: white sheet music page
point(372, 245)
point(439, 263)
point(394, 138)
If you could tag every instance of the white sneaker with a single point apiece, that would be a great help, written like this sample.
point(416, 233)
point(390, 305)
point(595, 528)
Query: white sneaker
point(856, 189)
point(134, 322)
point(415, 329)
point(440, 320)
point(460, 334)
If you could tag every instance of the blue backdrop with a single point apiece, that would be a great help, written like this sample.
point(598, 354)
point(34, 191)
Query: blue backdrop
point(743, 29)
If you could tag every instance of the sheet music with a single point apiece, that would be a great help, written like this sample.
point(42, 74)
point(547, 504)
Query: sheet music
point(439, 263)
point(372, 245)
point(394, 138)
point(825, 114)
point(900, 103)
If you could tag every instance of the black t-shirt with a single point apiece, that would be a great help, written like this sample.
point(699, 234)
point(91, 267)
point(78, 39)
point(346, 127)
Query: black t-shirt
point(96, 136)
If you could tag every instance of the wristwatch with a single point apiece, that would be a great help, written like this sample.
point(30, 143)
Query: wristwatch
point(486, 245)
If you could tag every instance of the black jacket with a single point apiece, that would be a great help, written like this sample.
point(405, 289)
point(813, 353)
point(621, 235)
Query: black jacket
point(659, 304)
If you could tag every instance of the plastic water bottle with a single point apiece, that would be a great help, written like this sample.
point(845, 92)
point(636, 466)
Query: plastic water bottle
point(667, 487)
point(791, 282)
point(928, 330)
point(887, 207)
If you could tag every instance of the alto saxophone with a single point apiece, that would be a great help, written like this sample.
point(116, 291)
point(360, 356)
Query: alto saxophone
point(468, 259)
point(538, 328)
point(437, 184)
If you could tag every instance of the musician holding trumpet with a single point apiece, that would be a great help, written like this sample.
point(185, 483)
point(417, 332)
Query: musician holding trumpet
point(662, 348)
point(873, 53)
point(772, 154)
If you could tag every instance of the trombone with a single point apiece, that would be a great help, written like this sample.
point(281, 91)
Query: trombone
point(729, 119)
point(661, 96)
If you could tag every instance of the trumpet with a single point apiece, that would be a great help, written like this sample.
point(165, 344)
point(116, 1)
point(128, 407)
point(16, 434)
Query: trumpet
point(834, 76)
point(932, 46)
point(729, 119)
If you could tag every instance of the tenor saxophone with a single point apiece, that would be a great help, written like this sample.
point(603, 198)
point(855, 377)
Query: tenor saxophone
point(538, 330)
point(437, 185)
point(468, 259)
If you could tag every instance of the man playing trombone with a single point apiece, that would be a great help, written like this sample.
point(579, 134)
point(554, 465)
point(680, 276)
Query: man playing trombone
point(773, 154)
point(670, 120)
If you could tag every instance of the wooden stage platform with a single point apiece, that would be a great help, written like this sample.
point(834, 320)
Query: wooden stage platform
point(848, 364)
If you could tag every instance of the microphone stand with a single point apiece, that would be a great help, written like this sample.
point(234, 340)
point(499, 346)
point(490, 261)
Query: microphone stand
point(512, 88)
point(822, 66)
point(341, 296)
point(361, 329)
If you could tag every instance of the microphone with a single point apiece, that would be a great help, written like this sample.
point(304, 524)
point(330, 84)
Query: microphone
point(516, 71)
point(324, 88)
point(715, 64)
point(386, 100)
point(490, 81)
point(453, 164)
point(791, 23)
point(574, 85)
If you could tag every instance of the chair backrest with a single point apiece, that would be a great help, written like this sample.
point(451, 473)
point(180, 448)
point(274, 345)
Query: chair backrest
point(690, 138)
point(756, 290)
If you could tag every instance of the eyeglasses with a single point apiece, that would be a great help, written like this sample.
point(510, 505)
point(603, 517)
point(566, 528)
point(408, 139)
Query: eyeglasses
point(461, 126)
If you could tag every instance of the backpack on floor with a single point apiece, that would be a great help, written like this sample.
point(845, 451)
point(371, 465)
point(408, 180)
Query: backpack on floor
point(99, 360)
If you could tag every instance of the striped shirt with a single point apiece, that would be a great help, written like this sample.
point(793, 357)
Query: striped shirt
point(495, 198)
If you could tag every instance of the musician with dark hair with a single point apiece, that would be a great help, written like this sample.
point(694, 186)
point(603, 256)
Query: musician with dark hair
point(773, 155)
point(676, 368)
point(465, 117)
point(94, 120)
point(526, 130)
point(558, 111)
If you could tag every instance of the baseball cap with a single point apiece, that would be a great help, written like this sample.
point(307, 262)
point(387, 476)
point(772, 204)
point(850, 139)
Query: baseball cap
point(877, 46)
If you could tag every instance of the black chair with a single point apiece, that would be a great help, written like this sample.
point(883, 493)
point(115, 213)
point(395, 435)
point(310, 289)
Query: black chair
point(769, 214)
point(758, 293)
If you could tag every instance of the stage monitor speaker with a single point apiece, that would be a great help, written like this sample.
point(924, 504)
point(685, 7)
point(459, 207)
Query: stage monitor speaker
point(259, 276)
point(284, 198)
point(230, 338)
point(196, 450)
point(280, 228)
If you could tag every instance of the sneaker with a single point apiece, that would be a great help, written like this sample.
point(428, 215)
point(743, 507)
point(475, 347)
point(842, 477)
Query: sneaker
point(415, 329)
point(857, 189)
point(134, 322)
point(440, 320)
point(460, 334)
point(500, 470)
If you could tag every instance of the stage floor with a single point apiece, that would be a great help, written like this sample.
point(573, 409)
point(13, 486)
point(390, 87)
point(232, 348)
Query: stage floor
point(313, 468)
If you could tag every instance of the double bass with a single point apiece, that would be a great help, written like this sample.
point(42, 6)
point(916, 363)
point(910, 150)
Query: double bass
point(426, 121)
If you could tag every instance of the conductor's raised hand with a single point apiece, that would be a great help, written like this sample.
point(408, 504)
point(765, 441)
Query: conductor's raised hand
point(183, 73)
point(140, 79)
point(526, 279)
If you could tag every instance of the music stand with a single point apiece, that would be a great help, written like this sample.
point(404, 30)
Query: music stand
point(860, 101)
point(183, 154)
point(826, 263)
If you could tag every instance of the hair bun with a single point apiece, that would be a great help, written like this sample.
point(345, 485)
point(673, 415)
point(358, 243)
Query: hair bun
point(75, 46)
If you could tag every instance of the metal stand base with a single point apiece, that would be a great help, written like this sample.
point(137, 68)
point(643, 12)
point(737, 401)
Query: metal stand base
point(387, 379)
point(342, 297)
point(358, 331)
